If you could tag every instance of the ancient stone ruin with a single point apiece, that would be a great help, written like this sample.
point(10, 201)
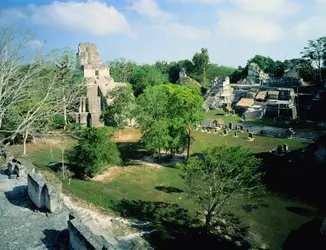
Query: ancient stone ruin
point(43, 194)
point(98, 82)
point(18, 167)
point(82, 238)
point(220, 94)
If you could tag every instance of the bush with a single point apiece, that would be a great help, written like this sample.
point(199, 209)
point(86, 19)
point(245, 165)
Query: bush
point(58, 121)
point(93, 151)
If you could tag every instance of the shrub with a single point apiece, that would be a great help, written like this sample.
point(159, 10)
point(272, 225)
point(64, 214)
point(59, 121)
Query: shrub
point(93, 151)
point(58, 121)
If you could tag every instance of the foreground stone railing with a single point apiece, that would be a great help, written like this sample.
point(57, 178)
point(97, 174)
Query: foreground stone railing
point(43, 194)
point(82, 238)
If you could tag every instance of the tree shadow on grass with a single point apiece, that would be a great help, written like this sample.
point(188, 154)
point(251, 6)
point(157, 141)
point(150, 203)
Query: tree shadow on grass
point(296, 176)
point(168, 190)
point(131, 151)
point(308, 236)
point(303, 211)
point(167, 226)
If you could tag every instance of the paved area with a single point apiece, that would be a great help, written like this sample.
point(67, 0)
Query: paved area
point(24, 227)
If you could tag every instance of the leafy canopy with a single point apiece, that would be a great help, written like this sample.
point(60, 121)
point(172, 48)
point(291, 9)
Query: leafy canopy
point(166, 112)
point(93, 151)
point(120, 110)
point(220, 175)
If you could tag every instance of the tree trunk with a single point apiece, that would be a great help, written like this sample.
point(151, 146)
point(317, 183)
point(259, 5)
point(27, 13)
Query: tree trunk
point(64, 112)
point(25, 142)
point(208, 221)
point(188, 146)
point(63, 163)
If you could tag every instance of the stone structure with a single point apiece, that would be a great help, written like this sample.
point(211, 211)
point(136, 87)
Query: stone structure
point(255, 74)
point(250, 137)
point(182, 76)
point(82, 238)
point(19, 167)
point(220, 94)
point(292, 69)
point(43, 194)
point(99, 83)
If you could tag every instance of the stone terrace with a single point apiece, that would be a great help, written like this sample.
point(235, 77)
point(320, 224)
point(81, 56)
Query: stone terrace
point(22, 226)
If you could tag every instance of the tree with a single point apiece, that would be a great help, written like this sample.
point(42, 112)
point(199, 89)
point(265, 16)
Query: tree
point(267, 64)
point(220, 175)
point(157, 137)
point(30, 94)
point(94, 150)
point(214, 70)
point(238, 74)
point(120, 110)
point(201, 61)
point(121, 69)
point(162, 66)
point(146, 75)
point(315, 53)
point(172, 108)
point(185, 105)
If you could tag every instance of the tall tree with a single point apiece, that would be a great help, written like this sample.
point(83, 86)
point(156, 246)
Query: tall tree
point(30, 94)
point(120, 110)
point(315, 53)
point(201, 61)
point(121, 69)
point(220, 176)
point(173, 108)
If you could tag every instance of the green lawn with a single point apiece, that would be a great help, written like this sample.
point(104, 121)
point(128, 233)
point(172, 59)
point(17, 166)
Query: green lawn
point(138, 185)
point(220, 114)
point(155, 194)
point(260, 144)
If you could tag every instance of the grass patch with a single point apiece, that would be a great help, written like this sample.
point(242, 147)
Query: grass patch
point(155, 194)
point(297, 125)
point(260, 144)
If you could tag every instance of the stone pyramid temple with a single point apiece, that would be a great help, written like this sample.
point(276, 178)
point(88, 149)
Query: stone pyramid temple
point(98, 82)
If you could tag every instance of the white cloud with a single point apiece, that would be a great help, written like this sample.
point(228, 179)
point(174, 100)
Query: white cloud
point(184, 31)
point(93, 17)
point(149, 8)
point(35, 44)
point(206, 2)
point(242, 25)
point(313, 26)
point(269, 7)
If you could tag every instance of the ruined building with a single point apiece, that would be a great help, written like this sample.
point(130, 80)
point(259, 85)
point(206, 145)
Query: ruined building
point(98, 82)
point(219, 94)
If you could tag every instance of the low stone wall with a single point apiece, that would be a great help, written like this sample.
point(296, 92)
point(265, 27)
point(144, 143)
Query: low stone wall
point(42, 194)
point(82, 238)
point(19, 167)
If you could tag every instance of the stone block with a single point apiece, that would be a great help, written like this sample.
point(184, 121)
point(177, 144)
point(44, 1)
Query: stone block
point(43, 194)
point(82, 238)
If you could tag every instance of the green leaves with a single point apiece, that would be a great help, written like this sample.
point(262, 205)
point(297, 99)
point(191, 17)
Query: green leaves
point(94, 151)
point(120, 111)
point(168, 110)
point(220, 175)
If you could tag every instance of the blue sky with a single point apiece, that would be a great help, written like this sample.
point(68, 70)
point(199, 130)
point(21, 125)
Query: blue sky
point(149, 30)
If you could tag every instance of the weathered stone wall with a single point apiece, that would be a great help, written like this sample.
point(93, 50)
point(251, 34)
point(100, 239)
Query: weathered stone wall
point(82, 238)
point(42, 194)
